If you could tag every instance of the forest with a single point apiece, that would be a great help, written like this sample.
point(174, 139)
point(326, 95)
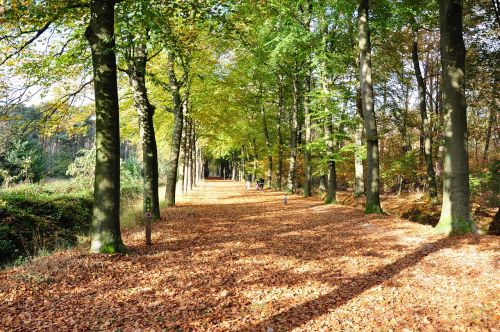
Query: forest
point(270, 165)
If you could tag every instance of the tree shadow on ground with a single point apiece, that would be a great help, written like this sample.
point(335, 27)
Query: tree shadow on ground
point(352, 287)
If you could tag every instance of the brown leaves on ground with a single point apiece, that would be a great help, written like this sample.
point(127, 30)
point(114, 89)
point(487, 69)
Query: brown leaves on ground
point(230, 260)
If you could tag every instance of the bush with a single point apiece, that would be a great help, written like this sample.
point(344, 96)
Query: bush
point(82, 169)
point(32, 223)
point(403, 167)
point(486, 185)
point(22, 162)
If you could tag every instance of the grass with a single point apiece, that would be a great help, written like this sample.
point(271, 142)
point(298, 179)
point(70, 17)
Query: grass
point(38, 219)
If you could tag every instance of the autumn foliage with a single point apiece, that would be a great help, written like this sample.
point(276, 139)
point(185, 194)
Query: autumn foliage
point(226, 259)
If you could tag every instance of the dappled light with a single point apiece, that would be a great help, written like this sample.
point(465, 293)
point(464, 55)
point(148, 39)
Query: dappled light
point(228, 165)
point(227, 259)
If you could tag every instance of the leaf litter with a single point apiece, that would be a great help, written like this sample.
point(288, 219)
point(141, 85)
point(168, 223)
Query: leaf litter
point(226, 259)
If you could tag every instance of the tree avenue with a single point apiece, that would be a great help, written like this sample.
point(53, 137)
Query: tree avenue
point(357, 102)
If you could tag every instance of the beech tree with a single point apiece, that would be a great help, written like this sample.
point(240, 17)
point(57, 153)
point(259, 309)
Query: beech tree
point(455, 210)
point(106, 236)
point(365, 78)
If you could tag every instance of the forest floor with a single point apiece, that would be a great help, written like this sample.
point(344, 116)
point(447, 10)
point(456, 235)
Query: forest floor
point(416, 207)
point(226, 259)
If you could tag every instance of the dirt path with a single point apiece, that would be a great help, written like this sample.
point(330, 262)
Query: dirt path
point(230, 260)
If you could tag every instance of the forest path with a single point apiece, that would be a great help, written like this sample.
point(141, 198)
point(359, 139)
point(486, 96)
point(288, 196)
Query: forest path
point(226, 259)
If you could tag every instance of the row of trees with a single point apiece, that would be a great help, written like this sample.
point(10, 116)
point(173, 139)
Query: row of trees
point(296, 79)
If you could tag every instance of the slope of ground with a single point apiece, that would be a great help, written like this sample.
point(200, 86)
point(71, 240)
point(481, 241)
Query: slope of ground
point(416, 207)
point(230, 260)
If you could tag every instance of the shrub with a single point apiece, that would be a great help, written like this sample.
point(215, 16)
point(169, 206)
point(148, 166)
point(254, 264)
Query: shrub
point(30, 223)
point(22, 161)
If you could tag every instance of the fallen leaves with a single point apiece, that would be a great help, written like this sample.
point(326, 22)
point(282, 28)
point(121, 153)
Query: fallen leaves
point(229, 260)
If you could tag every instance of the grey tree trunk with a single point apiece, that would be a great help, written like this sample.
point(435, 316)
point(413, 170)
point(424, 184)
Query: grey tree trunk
point(373, 178)
point(254, 168)
point(491, 122)
point(307, 127)
point(268, 146)
point(173, 161)
point(426, 124)
point(136, 71)
point(455, 211)
point(279, 180)
point(188, 169)
point(181, 178)
point(106, 236)
point(193, 160)
point(359, 181)
point(291, 183)
point(332, 175)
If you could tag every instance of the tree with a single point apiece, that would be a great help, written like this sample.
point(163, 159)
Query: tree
point(426, 125)
point(106, 237)
point(173, 161)
point(359, 181)
point(136, 57)
point(455, 211)
point(365, 72)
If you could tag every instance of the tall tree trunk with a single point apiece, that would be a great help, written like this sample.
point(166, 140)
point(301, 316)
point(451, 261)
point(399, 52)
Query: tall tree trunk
point(491, 121)
point(181, 178)
point(440, 114)
point(173, 161)
point(234, 168)
point(359, 181)
point(332, 175)
point(193, 159)
point(137, 77)
point(106, 236)
point(187, 172)
point(372, 190)
point(426, 124)
point(293, 138)
point(254, 169)
point(268, 146)
point(359, 178)
point(307, 125)
point(280, 135)
point(455, 211)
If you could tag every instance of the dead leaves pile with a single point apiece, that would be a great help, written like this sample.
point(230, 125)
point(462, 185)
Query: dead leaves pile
point(230, 260)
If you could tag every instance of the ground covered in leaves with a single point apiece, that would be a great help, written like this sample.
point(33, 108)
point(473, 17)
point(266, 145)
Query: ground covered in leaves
point(226, 259)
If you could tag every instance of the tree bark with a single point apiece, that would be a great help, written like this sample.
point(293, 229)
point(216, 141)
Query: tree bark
point(268, 146)
point(494, 228)
point(189, 142)
point(426, 124)
point(332, 174)
point(106, 236)
point(193, 159)
point(455, 212)
point(359, 180)
point(182, 178)
point(280, 135)
point(293, 138)
point(136, 71)
point(307, 127)
point(173, 161)
point(366, 85)
point(491, 122)
point(254, 168)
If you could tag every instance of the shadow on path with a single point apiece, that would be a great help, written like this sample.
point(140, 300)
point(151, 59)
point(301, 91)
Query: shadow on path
point(307, 311)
